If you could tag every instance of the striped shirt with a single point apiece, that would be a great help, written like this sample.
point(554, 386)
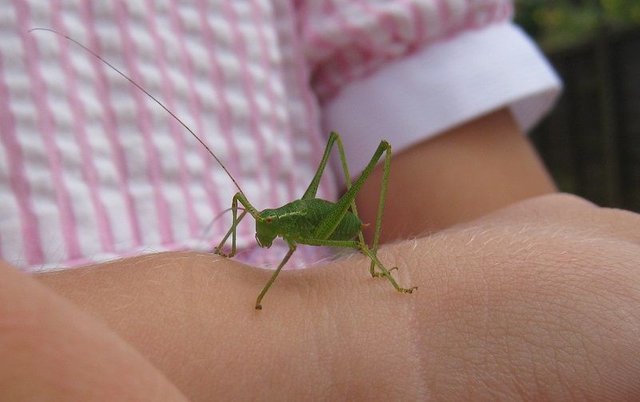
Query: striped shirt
point(91, 169)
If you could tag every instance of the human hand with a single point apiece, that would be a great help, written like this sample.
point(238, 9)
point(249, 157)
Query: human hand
point(540, 300)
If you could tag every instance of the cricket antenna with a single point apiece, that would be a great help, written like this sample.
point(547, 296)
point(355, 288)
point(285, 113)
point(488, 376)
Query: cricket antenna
point(114, 68)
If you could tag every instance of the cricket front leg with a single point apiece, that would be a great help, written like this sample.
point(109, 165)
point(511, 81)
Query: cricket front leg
point(232, 231)
point(267, 286)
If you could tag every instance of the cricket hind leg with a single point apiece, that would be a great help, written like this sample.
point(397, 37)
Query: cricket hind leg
point(384, 272)
point(347, 201)
point(381, 203)
point(382, 147)
point(334, 139)
point(372, 252)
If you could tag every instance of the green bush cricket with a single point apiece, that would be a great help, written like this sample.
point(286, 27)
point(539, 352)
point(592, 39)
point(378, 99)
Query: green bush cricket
point(316, 222)
point(309, 220)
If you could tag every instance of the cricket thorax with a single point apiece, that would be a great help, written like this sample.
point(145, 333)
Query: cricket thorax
point(298, 220)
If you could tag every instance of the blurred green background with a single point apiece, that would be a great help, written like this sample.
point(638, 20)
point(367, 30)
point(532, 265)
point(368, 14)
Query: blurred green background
point(558, 24)
point(591, 140)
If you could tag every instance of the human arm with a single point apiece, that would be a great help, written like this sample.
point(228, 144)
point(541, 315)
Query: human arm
point(460, 175)
point(538, 300)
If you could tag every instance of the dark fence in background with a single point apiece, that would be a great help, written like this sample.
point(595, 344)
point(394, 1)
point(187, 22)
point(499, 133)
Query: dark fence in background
point(591, 140)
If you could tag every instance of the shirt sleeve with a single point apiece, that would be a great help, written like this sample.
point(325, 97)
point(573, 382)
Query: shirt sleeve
point(427, 67)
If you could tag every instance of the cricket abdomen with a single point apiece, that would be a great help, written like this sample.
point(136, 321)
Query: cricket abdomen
point(299, 219)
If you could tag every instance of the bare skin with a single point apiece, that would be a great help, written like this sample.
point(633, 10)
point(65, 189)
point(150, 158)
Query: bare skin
point(537, 301)
point(52, 351)
point(457, 176)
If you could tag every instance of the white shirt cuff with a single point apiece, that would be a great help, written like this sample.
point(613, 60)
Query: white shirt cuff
point(443, 86)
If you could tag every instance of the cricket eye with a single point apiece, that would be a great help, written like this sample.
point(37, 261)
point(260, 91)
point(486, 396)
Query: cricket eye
point(268, 220)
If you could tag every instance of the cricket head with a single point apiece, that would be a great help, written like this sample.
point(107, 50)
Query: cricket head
point(266, 228)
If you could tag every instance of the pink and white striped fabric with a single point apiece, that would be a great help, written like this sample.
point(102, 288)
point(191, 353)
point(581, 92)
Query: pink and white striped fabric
point(90, 169)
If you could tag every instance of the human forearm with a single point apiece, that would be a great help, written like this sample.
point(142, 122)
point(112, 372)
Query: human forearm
point(467, 172)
